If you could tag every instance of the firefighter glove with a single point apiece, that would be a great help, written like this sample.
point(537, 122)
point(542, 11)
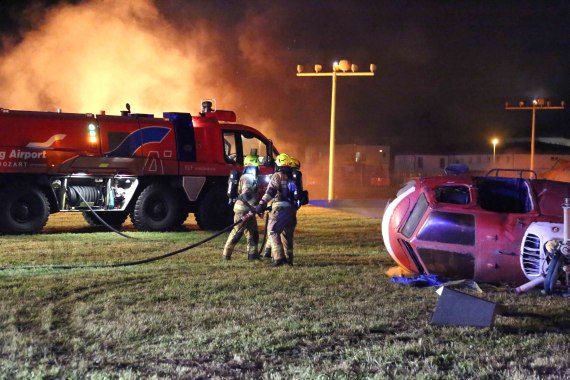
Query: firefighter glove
point(247, 216)
point(260, 208)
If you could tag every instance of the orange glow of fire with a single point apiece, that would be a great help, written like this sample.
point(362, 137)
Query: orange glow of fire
point(100, 54)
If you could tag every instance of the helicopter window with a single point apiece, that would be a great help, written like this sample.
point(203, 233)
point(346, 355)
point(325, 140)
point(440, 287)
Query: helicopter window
point(508, 195)
point(415, 216)
point(458, 195)
point(447, 227)
point(449, 264)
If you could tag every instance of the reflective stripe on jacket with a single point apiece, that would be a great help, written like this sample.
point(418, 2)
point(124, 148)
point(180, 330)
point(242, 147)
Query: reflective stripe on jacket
point(278, 190)
point(247, 192)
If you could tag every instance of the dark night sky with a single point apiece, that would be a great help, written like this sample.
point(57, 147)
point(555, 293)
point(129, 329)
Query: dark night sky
point(445, 68)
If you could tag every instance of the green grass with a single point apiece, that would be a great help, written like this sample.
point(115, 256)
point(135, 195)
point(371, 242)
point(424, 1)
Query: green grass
point(334, 314)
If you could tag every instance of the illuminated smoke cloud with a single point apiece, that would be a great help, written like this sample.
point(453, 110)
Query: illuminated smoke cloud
point(100, 54)
point(164, 56)
point(85, 58)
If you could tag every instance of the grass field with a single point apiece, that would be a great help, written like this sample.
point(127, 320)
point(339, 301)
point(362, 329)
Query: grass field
point(335, 314)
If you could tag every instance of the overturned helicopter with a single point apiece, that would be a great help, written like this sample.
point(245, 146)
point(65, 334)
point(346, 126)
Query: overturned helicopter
point(490, 228)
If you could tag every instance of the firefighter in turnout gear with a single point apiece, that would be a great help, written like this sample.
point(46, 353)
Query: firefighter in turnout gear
point(283, 215)
point(247, 197)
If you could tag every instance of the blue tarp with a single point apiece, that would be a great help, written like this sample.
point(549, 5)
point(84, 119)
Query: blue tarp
point(419, 281)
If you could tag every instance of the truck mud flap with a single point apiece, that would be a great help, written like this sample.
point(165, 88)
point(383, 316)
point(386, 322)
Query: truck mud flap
point(193, 187)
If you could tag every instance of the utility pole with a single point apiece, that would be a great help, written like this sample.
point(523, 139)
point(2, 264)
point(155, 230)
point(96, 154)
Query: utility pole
point(537, 105)
point(340, 69)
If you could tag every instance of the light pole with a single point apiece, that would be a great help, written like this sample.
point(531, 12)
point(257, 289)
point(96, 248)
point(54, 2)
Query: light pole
point(495, 141)
point(340, 69)
point(537, 105)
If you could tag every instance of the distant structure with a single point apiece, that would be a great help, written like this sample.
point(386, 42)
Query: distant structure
point(414, 165)
point(513, 154)
point(376, 170)
point(359, 169)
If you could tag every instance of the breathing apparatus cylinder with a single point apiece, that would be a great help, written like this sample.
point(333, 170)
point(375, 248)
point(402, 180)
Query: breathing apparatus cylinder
point(300, 196)
point(233, 181)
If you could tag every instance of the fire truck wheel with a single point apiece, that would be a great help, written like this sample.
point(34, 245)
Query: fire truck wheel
point(214, 212)
point(157, 208)
point(112, 218)
point(23, 210)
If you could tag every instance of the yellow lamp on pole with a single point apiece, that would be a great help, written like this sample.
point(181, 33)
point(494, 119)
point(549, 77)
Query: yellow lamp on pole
point(537, 105)
point(340, 68)
point(495, 141)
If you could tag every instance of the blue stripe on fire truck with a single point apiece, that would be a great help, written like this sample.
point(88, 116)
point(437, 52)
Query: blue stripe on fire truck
point(138, 138)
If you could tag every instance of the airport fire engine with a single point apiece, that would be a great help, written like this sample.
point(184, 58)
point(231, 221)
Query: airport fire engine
point(155, 169)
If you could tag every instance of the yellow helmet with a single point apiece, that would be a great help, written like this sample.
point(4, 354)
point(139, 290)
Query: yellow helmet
point(282, 160)
point(251, 160)
point(294, 163)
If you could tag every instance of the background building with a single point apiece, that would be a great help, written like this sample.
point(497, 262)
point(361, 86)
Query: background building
point(512, 155)
point(360, 170)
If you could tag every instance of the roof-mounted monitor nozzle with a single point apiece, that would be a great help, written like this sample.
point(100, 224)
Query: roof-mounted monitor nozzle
point(208, 105)
point(128, 111)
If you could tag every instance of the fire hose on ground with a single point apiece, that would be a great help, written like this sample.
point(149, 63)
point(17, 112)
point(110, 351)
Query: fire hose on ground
point(252, 211)
point(103, 221)
point(137, 262)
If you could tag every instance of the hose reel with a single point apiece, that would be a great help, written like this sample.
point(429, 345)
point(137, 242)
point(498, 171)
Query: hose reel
point(78, 194)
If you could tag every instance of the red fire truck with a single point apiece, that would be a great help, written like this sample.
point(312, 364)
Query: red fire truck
point(157, 170)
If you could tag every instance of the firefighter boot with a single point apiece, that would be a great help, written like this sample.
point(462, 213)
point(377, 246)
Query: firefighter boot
point(228, 253)
point(290, 258)
point(252, 253)
point(278, 262)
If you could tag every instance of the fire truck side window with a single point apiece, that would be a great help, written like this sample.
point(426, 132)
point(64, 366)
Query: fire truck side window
point(237, 145)
point(252, 144)
point(230, 147)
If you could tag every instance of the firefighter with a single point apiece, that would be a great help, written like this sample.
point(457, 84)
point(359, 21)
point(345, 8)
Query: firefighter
point(283, 215)
point(295, 166)
point(246, 200)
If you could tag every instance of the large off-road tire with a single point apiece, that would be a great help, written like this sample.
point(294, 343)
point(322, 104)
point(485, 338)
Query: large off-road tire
point(23, 210)
point(113, 218)
point(214, 212)
point(159, 207)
